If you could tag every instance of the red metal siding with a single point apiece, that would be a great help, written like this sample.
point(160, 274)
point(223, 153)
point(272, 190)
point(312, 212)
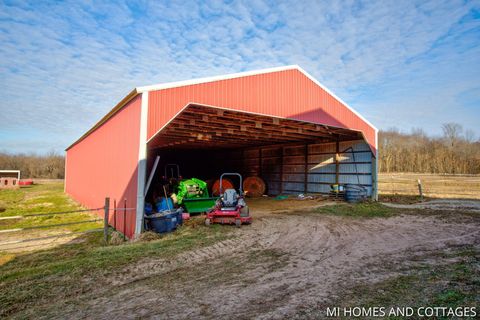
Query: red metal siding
point(288, 94)
point(105, 164)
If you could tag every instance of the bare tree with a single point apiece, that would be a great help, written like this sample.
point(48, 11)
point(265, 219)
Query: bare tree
point(50, 166)
point(469, 136)
point(452, 132)
point(417, 152)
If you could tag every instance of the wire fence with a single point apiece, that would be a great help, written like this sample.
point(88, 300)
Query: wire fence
point(48, 214)
point(110, 221)
point(434, 186)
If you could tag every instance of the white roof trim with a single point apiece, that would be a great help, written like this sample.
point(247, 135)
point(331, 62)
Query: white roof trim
point(12, 171)
point(170, 85)
point(336, 97)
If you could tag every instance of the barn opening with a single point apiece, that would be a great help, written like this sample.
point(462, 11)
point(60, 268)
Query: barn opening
point(280, 124)
point(291, 156)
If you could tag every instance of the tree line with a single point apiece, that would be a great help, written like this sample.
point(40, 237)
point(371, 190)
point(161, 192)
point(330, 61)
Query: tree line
point(49, 166)
point(457, 151)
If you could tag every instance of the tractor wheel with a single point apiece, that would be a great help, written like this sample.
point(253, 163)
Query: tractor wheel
point(238, 223)
point(207, 222)
point(245, 211)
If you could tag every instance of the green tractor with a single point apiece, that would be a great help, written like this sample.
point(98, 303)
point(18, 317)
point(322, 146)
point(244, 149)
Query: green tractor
point(192, 194)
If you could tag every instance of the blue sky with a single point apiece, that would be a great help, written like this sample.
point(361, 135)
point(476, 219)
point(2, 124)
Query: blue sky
point(64, 64)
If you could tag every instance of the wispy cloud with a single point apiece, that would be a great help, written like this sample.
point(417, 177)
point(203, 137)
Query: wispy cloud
point(403, 64)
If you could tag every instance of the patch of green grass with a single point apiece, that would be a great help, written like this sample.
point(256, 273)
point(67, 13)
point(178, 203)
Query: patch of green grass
point(36, 279)
point(360, 210)
point(42, 198)
point(33, 280)
point(47, 197)
point(402, 198)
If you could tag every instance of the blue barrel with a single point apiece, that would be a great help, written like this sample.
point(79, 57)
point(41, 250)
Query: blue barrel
point(158, 223)
point(165, 221)
point(148, 209)
point(164, 204)
point(355, 193)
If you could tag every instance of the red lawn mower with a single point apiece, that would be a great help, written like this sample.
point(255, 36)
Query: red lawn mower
point(230, 208)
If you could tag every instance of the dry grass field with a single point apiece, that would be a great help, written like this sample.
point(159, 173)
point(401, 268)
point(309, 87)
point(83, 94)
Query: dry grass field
point(433, 185)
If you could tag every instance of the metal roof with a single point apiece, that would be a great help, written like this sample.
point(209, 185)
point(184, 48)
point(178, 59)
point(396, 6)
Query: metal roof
point(170, 85)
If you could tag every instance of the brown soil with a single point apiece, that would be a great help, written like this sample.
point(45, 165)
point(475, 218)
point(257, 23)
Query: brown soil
point(280, 264)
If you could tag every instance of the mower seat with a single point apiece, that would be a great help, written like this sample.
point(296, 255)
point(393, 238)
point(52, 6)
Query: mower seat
point(230, 199)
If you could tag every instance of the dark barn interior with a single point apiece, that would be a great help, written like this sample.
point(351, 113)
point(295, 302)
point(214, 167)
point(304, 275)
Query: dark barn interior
point(290, 156)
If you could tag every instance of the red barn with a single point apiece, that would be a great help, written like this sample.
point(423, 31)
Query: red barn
point(280, 124)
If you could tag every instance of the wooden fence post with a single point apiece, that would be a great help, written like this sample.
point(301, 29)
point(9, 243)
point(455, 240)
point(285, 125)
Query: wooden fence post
point(420, 189)
point(105, 220)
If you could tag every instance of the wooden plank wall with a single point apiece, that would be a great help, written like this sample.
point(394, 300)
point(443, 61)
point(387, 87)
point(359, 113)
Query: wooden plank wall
point(303, 168)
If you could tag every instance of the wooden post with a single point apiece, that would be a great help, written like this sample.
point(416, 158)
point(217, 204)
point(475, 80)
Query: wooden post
point(337, 164)
point(420, 189)
point(105, 220)
point(281, 170)
point(305, 177)
point(260, 171)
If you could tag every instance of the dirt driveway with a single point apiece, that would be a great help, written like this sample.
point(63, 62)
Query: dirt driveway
point(283, 265)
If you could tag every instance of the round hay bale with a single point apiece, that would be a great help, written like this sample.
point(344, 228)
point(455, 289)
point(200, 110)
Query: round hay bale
point(226, 184)
point(254, 187)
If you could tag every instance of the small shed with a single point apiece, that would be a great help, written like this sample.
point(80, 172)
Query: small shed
point(280, 124)
point(9, 179)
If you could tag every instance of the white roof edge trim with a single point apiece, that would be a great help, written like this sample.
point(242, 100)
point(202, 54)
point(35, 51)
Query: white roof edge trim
point(336, 97)
point(169, 85)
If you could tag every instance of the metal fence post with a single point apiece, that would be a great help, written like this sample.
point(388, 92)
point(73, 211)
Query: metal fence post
point(105, 220)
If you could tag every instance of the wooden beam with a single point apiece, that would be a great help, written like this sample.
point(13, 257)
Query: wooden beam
point(287, 125)
point(305, 185)
point(281, 169)
point(337, 161)
point(238, 129)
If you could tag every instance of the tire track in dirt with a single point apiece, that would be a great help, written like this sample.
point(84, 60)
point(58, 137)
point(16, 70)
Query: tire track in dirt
point(242, 240)
point(316, 255)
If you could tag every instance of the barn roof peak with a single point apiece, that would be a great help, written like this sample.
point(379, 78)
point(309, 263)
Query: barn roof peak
point(169, 85)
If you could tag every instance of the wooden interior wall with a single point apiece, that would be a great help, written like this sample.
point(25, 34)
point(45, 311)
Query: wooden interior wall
point(304, 168)
point(299, 168)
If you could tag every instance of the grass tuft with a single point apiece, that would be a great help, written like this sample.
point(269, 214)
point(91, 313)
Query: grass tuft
point(360, 210)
